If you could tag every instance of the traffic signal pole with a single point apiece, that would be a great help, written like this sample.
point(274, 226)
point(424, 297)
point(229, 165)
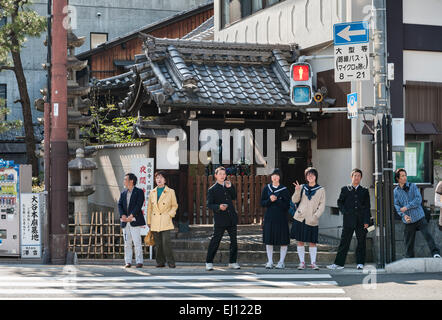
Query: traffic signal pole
point(385, 243)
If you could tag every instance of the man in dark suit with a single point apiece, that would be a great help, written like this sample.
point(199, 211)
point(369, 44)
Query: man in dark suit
point(354, 203)
point(132, 219)
point(219, 200)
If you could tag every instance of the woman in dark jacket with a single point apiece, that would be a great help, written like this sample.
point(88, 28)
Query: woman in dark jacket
point(276, 198)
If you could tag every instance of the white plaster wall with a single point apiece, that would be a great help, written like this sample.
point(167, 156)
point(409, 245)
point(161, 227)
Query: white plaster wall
point(293, 21)
point(113, 164)
point(305, 22)
point(334, 167)
point(415, 12)
point(422, 66)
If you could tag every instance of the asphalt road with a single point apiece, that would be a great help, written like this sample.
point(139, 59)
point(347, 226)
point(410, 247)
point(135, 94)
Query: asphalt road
point(192, 282)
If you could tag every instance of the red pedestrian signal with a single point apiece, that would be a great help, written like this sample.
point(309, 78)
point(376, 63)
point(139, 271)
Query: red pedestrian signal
point(301, 72)
point(301, 84)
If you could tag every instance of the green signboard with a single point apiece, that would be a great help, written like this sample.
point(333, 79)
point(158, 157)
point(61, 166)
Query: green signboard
point(417, 160)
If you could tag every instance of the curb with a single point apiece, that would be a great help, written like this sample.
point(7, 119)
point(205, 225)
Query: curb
point(415, 265)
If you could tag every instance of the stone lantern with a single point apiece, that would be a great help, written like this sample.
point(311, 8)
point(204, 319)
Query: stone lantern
point(81, 183)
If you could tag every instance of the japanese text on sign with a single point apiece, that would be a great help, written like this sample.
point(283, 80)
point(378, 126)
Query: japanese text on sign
point(352, 63)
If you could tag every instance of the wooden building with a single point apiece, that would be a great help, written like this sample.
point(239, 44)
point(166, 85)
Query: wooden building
point(112, 57)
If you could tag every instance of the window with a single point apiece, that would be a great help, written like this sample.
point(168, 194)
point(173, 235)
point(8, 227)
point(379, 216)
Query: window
point(97, 38)
point(417, 160)
point(235, 10)
point(3, 101)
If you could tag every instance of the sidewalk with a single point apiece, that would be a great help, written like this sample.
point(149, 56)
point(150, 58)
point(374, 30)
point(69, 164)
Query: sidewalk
point(184, 267)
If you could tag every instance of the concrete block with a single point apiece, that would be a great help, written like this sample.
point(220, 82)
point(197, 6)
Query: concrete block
point(433, 265)
point(414, 265)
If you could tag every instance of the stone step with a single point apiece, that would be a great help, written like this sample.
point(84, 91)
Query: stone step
point(243, 245)
point(258, 257)
point(201, 231)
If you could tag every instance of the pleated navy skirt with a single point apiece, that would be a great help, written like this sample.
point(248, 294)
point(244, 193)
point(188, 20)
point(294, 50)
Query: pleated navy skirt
point(276, 229)
point(303, 232)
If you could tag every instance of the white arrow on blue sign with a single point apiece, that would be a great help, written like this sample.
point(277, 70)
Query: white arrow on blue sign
point(351, 33)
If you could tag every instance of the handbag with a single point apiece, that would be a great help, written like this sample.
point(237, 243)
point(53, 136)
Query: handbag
point(148, 239)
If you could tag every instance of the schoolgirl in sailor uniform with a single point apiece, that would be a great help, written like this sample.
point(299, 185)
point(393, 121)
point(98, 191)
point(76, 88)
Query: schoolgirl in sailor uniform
point(310, 200)
point(276, 199)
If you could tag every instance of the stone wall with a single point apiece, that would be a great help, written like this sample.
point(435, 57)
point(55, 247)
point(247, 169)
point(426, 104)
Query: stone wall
point(420, 248)
point(113, 162)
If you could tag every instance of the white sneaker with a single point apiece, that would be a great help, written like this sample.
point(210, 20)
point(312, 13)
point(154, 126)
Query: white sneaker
point(280, 265)
point(301, 266)
point(335, 267)
point(234, 266)
point(314, 266)
point(436, 255)
point(209, 266)
point(269, 265)
point(360, 266)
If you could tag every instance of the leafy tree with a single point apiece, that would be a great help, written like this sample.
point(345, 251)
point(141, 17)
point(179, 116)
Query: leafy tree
point(106, 128)
point(7, 125)
point(21, 22)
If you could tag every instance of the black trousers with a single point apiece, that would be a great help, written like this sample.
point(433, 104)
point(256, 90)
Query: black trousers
point(163, 248)
point(218, 233)
point(410, 236)
point(344, 245)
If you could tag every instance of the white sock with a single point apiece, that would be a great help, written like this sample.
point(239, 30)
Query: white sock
point(269, 249)
point(313, 251)
point(301, 253)
point(283, 253)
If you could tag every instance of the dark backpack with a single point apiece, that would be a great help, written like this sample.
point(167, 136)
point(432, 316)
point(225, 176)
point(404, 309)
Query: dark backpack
point(294, 206)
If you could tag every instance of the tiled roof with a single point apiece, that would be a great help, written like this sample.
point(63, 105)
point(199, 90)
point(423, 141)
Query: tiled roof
point(118, 82)
point(205, 31)
point(198, 74)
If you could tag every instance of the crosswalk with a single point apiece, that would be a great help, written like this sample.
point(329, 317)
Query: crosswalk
point(174, 287)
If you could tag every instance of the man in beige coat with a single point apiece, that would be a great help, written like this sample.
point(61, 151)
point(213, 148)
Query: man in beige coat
point(161, 209)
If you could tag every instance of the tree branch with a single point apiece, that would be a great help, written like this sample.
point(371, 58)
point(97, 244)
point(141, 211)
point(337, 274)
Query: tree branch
point(7, 68)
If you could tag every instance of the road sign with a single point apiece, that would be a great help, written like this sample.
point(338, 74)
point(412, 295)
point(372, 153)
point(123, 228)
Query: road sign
point(351, 51)
point(352, 105)
point(350, 33)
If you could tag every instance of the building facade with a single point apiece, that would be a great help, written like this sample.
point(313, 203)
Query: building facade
point(98, 21)
point(91, 19)
point(343, 144)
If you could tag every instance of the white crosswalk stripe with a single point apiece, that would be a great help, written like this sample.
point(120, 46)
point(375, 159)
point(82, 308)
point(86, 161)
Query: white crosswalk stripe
point(173, 287)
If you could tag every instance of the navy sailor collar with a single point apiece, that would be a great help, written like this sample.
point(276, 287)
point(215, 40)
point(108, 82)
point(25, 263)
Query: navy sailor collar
point(277, 189)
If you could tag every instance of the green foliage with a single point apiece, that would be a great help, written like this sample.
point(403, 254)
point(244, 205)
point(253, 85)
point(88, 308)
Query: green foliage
point(7, 125)
point(22, 22)
point(108, 129)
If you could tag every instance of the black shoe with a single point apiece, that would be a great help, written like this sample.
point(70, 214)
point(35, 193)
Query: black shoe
point(128, 265)
point(171, 265)
point(160, 265)
point(139, 265)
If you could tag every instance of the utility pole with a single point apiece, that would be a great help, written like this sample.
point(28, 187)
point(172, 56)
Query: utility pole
point(47, 149)
point(59, 147)
point(383, 144)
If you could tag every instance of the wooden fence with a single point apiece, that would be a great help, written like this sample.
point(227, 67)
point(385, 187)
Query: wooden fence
point(247, 203)
point(99, 238)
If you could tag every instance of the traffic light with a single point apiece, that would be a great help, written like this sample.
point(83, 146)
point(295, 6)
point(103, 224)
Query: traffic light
point(301, 84)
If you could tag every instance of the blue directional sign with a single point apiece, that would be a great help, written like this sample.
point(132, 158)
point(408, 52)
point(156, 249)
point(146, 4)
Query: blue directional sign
point(352, 105)
point(351, 33)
